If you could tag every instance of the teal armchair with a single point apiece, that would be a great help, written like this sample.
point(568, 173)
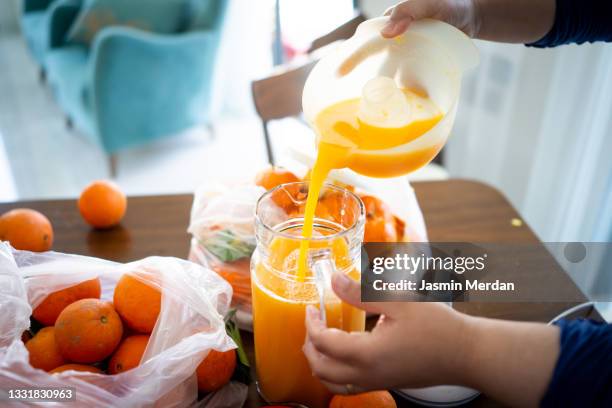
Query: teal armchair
point(163, 82)
point(132, 87)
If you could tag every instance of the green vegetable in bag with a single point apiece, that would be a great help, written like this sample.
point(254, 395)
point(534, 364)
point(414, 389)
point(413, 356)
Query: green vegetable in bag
point(227, 246)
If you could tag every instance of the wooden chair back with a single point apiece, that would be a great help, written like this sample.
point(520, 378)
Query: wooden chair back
point(280, 94)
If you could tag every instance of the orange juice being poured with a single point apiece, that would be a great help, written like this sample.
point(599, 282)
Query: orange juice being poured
point(383, 118)
point(383, 108)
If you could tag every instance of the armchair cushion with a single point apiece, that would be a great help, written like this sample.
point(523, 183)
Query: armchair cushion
point(159, 16)
point(146, 86)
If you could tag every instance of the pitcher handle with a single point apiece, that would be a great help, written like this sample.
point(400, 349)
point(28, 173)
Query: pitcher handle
point(323, 268)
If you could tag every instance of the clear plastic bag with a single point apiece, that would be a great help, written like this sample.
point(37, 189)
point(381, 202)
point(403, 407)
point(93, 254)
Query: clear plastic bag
point(222, 227)
point(402, 201)
point(190, 324)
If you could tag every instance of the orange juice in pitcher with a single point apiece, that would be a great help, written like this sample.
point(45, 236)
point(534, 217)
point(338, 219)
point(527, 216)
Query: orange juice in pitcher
point(280, 296)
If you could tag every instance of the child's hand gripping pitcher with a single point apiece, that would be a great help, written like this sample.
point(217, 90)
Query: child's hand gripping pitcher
point(281, 291)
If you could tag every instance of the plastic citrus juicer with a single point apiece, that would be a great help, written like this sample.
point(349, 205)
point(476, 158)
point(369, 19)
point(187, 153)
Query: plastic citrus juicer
point(430, 60)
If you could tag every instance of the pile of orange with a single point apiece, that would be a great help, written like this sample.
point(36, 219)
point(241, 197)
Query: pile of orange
point(84, 333)
point(79, 331)
point(380, 225)
point(273, 176)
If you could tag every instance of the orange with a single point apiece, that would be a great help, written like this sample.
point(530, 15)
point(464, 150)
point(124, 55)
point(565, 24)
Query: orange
point(216, 370)
point(372, 399)
point(291, 199)
point(380, 223)
point(137, 303)
point(43, 350)
point(102, 204)
point(128, 354)
point(76, 367)
point(274, 176)
point(237, 273)
point(88, 330)
point(332, 206)
point(52, 305)
point(26, 229)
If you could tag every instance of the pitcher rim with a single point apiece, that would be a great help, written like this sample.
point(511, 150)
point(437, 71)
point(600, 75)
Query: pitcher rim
point(346, 231)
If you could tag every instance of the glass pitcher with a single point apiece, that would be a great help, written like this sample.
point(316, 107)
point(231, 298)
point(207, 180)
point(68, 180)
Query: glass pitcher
point(280, 297)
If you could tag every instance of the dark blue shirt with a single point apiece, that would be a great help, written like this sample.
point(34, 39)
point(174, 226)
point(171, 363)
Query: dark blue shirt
point(579, 21)
point(583, 373)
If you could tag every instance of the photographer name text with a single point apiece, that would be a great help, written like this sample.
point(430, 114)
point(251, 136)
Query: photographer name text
point(406, 285)
point(416, 265)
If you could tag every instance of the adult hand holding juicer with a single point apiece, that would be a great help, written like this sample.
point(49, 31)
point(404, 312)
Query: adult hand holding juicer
point(383, 108)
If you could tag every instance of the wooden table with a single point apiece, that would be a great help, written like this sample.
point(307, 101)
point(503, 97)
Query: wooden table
point(455, 211)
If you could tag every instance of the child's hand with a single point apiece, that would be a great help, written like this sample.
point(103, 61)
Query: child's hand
point(459, 13)
point(413, 345)
point(421, 344)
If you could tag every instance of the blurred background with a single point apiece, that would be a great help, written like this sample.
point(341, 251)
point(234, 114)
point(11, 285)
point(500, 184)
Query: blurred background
point(161, 98)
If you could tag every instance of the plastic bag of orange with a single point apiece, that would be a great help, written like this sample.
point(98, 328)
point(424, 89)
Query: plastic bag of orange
point(237, 273)
point(189, 324)
point(223, 235)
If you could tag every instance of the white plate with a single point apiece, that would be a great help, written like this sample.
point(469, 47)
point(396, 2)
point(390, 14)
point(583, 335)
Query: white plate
point(439, 396)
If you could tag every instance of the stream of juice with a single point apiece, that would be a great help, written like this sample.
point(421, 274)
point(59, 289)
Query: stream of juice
point(342, 134)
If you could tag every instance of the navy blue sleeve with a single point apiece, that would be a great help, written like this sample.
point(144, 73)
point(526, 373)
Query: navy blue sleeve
point(579, 21)
point(583, 373)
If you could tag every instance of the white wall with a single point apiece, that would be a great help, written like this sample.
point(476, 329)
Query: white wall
point(537, 125)
point(374, 8)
